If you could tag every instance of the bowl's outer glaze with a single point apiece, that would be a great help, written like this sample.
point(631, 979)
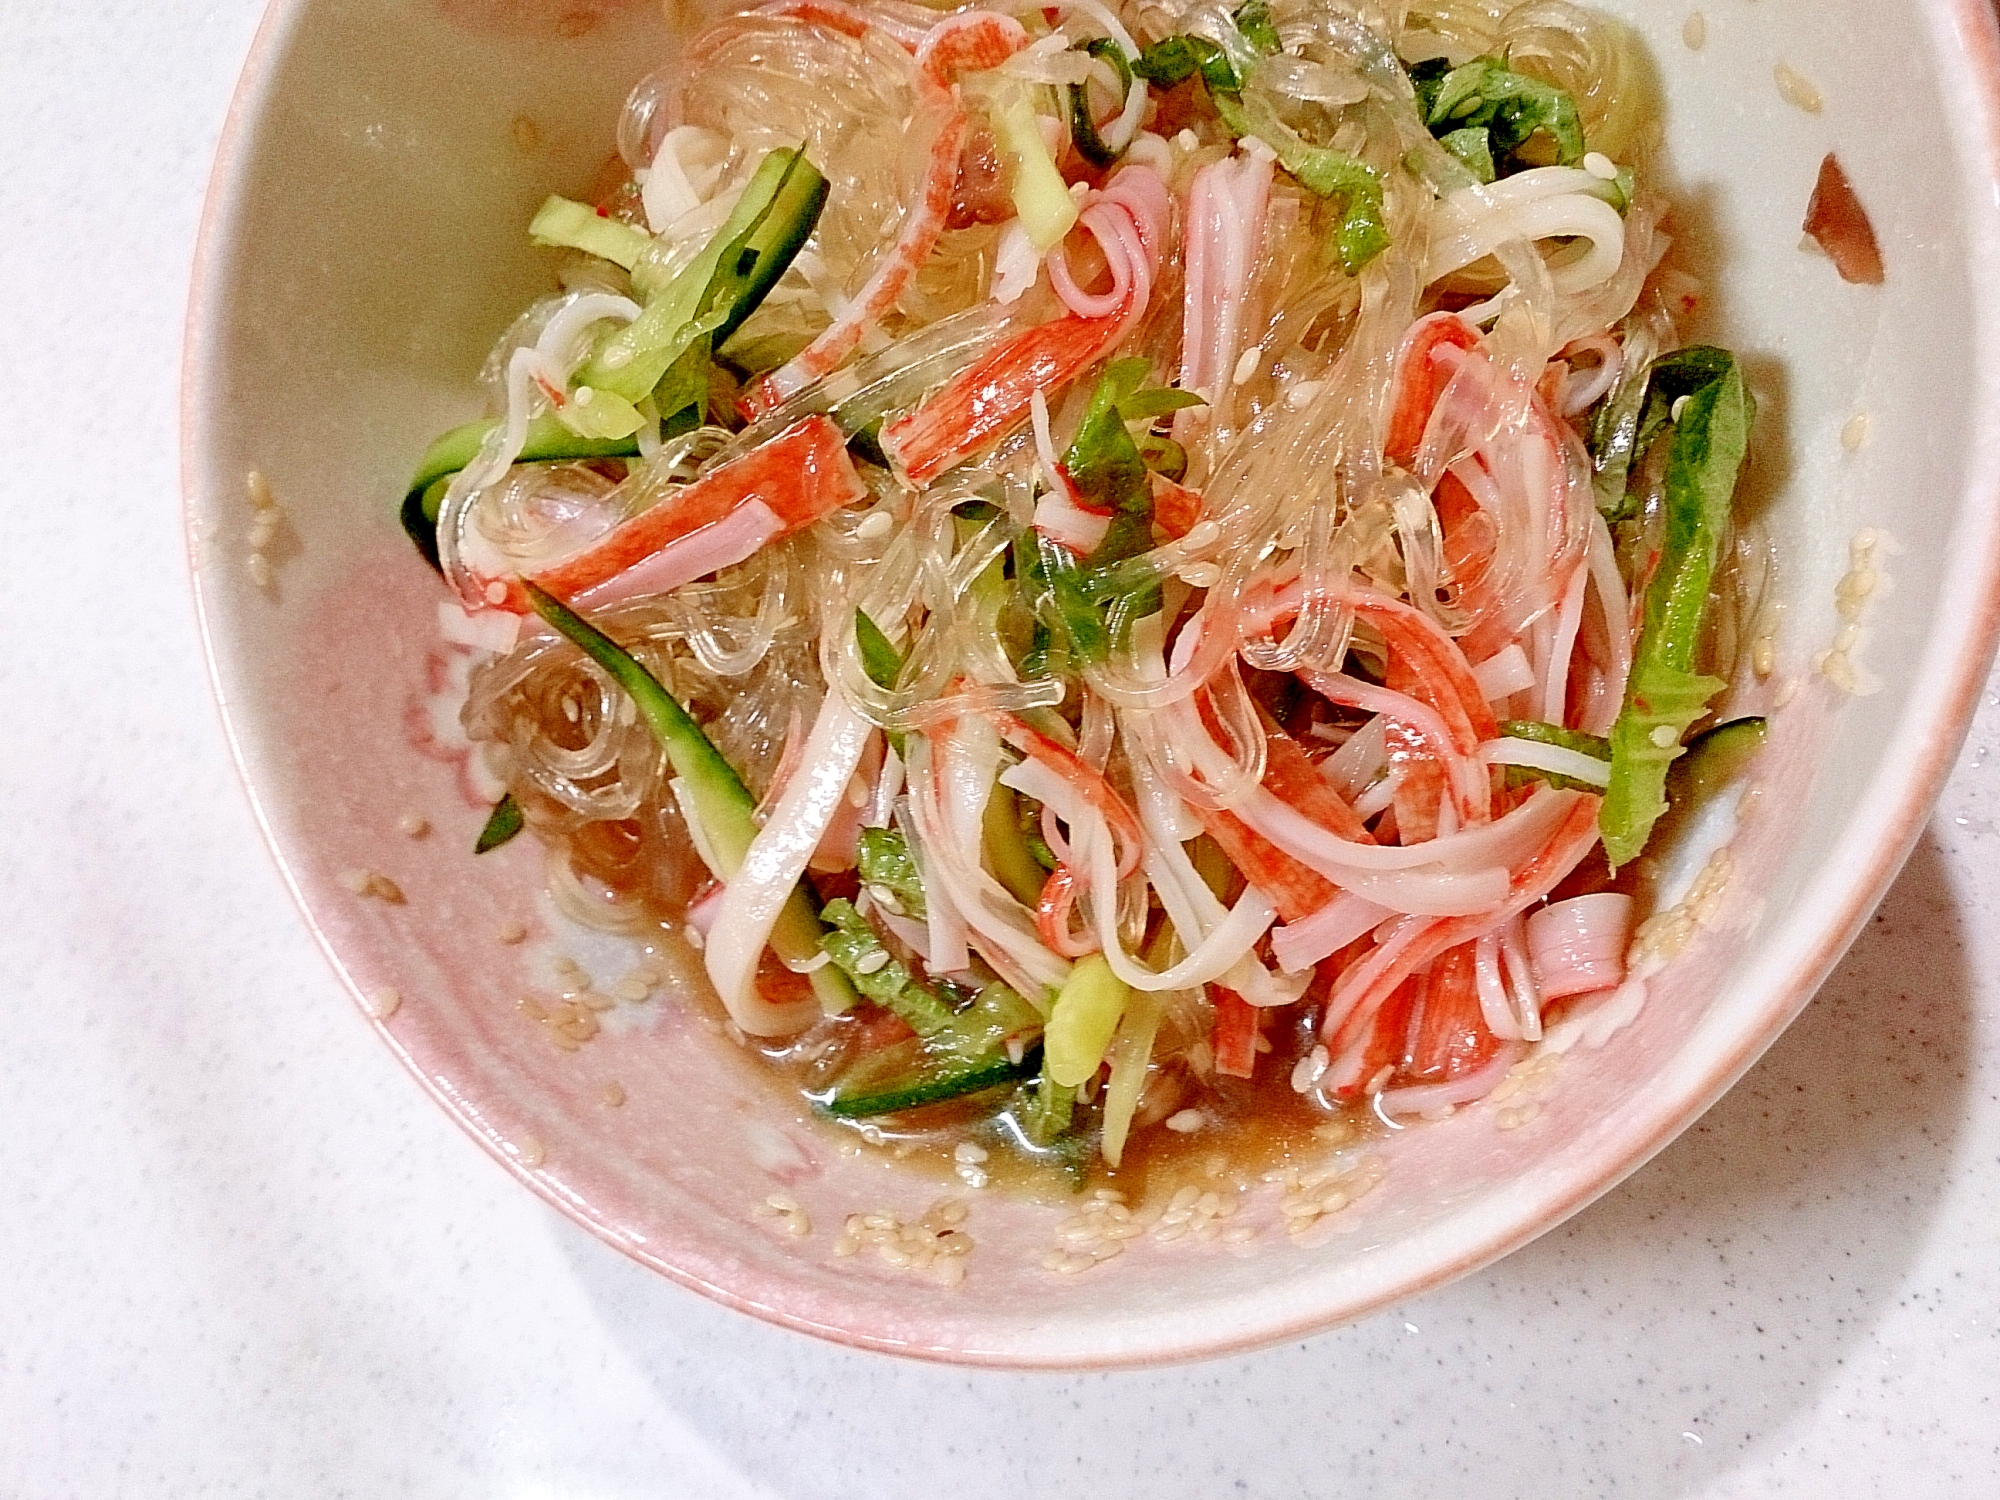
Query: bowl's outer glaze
point(362, 247)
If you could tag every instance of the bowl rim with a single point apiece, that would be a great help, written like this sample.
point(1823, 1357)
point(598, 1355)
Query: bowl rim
point(1801, 953)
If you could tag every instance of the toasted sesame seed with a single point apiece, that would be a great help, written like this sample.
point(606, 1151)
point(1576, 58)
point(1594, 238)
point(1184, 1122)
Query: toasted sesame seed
point(1202, 535)
point(1694, 31)
point(373, 885)
point(1200, 575)
point(412, 826)
point(614, 1094)
point(1796, 89)
point(384, 1003)
point(260, 570)
point(512, 933)
point(527, 135)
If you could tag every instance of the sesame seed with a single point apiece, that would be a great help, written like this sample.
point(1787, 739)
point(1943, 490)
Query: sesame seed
point(614, 1095)
point(412, 826)
point(384, 1003)
point(373, 885)
point(1855, 433)
point(877, 523)
point(1600, 166)
point(1202, 535)
point(496, 592)
point(1186, 1122)
point(512, 933)
point(527, 135)
point(260, 570)
point(1694, 31)
point(1201, 575)
point(1247, 363)
point(1796, 89)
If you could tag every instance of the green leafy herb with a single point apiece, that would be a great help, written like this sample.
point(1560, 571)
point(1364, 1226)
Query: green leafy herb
point(501, 825)
point(879, 659)
point(866, 445)
point(1254, 21)
point(1664, 695)
point(1486, 98)
point(1637, 412)
point(1175, 59)
point(1361, 232)
point(1474, 147)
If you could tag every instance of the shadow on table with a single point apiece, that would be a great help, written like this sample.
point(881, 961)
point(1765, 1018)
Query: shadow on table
point(1656, 1342)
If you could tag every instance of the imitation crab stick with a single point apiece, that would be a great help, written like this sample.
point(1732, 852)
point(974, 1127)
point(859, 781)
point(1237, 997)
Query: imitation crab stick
point(722, 518)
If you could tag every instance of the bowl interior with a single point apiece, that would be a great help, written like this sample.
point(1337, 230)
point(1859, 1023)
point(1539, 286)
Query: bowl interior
point(364, 245)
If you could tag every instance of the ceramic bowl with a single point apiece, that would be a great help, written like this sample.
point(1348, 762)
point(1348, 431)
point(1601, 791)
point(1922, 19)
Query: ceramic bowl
point(364, 244)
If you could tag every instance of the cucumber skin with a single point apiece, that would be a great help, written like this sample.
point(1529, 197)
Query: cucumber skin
point(933, 1085)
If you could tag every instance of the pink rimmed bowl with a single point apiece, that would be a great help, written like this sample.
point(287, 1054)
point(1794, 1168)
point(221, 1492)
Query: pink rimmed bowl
point(363, 244)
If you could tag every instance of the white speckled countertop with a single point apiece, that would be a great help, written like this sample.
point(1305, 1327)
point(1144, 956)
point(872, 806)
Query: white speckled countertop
point(243, 1255)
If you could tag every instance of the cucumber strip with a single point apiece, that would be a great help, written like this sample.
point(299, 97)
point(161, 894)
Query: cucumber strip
point(1045, 1110)
point(1544, 733)
point(910, 1075)
point(1005, 844)
point(1082, 125)
point(886, 865)
point(564, 224)
point(772, 242)
point(1715, 757)
point(1040, 195)
point(852, 944)
point(966, 1054)
point(722, 286)
point(547, 439)
point(1081, 1025)
point(716, 792)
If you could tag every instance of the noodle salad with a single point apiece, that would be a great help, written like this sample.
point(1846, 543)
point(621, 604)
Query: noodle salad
point(1102, 562)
